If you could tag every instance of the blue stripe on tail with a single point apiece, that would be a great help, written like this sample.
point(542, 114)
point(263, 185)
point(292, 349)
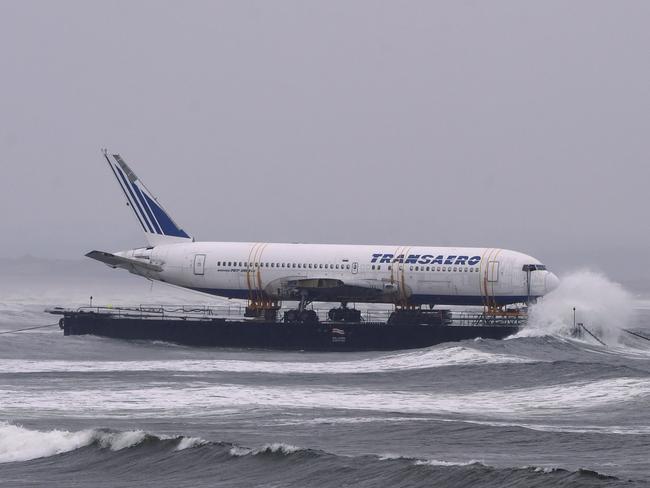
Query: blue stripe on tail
point(125, 193)
point(140, 196)
point(128, 187)
point(167, 225)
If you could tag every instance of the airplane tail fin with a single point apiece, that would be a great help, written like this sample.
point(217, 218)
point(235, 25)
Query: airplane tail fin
point(158, 226)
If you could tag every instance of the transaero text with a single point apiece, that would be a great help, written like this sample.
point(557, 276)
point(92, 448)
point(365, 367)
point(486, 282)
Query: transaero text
point(382, 258)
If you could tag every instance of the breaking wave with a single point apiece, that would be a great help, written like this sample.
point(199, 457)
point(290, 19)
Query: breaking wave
point(20, 444)
point(603, 306)
point(157, 459)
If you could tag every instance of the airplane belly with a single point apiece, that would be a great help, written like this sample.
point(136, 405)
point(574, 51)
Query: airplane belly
point(436, 285)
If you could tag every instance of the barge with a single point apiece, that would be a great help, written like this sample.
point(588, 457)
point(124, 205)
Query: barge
point(216, 327)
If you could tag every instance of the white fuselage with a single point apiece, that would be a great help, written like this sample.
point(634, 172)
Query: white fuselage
point(348, 273)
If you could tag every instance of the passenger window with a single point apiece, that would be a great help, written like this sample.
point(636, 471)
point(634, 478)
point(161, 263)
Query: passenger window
point(455, 269)
point(410, 268)
point(373, 266)
point(417, 268)
point(320, 266)
point(389, 267)
point(218, 263)
point(378, 267)
point(347, 266)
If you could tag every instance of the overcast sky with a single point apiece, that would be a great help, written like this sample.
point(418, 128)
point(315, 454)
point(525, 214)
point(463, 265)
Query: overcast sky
point(523, 125)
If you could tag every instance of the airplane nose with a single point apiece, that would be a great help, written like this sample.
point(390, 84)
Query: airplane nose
point(551, 282)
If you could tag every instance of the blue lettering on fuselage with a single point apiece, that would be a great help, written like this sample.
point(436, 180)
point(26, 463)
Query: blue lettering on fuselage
point(383, 258)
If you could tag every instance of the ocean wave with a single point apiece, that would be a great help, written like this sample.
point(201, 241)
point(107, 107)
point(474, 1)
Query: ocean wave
point(273, 448)
point(412, 360)
point(428, 462)
point(18, 443)
point(549, 401)
point(153, 456)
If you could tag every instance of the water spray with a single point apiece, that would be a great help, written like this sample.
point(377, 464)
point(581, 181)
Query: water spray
point(604, 305)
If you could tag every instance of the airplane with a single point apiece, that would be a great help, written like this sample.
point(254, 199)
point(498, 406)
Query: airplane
point(266, 274)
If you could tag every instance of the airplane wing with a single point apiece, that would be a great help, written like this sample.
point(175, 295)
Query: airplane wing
point(120, 262)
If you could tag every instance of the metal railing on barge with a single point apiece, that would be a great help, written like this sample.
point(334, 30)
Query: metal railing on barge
point(235, 312)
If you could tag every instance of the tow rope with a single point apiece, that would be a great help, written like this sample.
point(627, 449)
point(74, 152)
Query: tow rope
point(638, 335)
point(28, 328)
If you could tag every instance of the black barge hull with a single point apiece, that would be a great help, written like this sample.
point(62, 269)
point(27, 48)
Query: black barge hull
point(274, 335)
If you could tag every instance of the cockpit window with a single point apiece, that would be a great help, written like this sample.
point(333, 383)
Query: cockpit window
point(534, 267)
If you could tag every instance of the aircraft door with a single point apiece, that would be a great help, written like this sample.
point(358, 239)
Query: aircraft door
point(355, 267)
point(493, 271)
point(199, 264)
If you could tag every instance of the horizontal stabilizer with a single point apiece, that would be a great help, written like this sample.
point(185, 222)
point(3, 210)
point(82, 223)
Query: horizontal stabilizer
point(120, 262)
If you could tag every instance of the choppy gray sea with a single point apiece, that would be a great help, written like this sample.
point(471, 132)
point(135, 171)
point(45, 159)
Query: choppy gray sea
point(539, 409)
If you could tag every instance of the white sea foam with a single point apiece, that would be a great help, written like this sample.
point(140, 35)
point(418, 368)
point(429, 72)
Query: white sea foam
point(119, 440)
point(437, 462)
point(20, 444)
point(278, 447)
point(275, 447)
point(419, 359)
point(237, 451)
point(190, 442)
point(427, 462)
point(602, 305)
point(201, 399)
